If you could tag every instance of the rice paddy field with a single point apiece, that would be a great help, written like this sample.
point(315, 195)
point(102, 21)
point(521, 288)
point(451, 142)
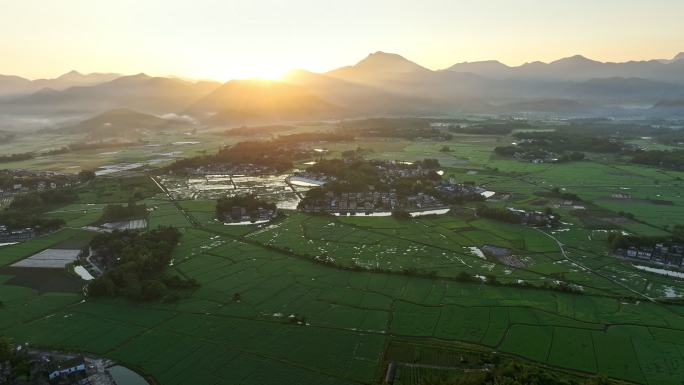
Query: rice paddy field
point(329, 300)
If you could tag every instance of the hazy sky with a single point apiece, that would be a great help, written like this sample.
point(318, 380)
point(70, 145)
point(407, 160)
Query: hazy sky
point(225, 39)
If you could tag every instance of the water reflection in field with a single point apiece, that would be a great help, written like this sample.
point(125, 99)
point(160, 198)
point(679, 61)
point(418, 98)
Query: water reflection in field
point(272, 187)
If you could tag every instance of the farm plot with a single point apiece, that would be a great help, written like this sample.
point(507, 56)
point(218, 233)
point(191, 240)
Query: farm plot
point(11, 254)
point(422, 246)
point(49, 258)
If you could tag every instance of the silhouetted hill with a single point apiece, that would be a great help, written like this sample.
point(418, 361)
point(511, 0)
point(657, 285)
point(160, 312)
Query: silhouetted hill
point(259, 101)
point(670, 104)
point(579, 68)
point(364, 99)
point(16, 86)
point(617, 90)
point(12, 85)
point(122, 122)
point(142, 92)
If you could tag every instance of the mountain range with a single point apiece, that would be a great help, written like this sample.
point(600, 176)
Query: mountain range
point(15, 85)
point(382, 84)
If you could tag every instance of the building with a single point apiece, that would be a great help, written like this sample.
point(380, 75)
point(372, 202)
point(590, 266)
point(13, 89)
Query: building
point(662, 253)
point(66, 368)
point(15, 236)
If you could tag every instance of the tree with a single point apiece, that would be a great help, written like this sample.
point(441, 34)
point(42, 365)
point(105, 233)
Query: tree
point(86, 175)
point(154, 290)
point(401, 215)
point(5, 349)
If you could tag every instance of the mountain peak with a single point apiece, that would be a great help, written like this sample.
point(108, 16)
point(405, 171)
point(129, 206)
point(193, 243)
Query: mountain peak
point(483, 66)
point(73, 74)
point(680, 56)
point(383, 61)
point(576, 59)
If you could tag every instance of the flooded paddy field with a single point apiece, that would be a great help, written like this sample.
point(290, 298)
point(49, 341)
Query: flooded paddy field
point(272, 187)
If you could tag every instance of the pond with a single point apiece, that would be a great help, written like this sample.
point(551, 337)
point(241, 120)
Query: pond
point(124, 376)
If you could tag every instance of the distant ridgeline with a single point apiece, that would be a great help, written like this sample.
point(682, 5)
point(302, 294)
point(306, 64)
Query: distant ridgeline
point(244, 208)
point(136, 265)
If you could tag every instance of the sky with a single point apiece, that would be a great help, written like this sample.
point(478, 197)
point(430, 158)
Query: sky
point(227, 39)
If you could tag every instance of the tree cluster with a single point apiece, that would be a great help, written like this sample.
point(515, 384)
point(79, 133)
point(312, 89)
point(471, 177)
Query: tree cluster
point(510, 373)
point(673, 159)
point(120, 213)
point(16, 157)
point(403, 128)
point(277, 154)
point(26, 210)
point(619, 240)
point(249, 202)
point(135, 265)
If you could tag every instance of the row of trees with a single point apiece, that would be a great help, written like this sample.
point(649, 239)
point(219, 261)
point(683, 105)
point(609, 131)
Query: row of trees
point(16, 157)
point(616, 239)
point(404, 128)
point(673, 159)
point(490, 129)
point(562, 141)
point(510, 373)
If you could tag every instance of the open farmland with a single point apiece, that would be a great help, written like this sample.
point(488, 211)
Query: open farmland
point(310, 299)
point(356, 312)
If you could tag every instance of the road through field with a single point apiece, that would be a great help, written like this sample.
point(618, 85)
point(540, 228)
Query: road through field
point(560, 246)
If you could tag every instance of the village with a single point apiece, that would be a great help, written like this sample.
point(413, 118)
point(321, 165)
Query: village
point(40, 367)
point(17, 181)
point(241, 169)
point(11, 236)
point(671, 254)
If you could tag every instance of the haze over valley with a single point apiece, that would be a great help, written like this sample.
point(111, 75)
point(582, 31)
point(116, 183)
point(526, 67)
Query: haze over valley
point(357, 192)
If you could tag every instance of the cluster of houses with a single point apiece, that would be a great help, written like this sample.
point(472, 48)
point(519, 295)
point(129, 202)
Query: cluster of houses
point(14, 182)
point(535, 218)
point(353, 203)
point(669, 254)
point(46, 369)
point(241, 214)
point(316, 178)
point(10, 236)
point(451, 189)
point(393, 169)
